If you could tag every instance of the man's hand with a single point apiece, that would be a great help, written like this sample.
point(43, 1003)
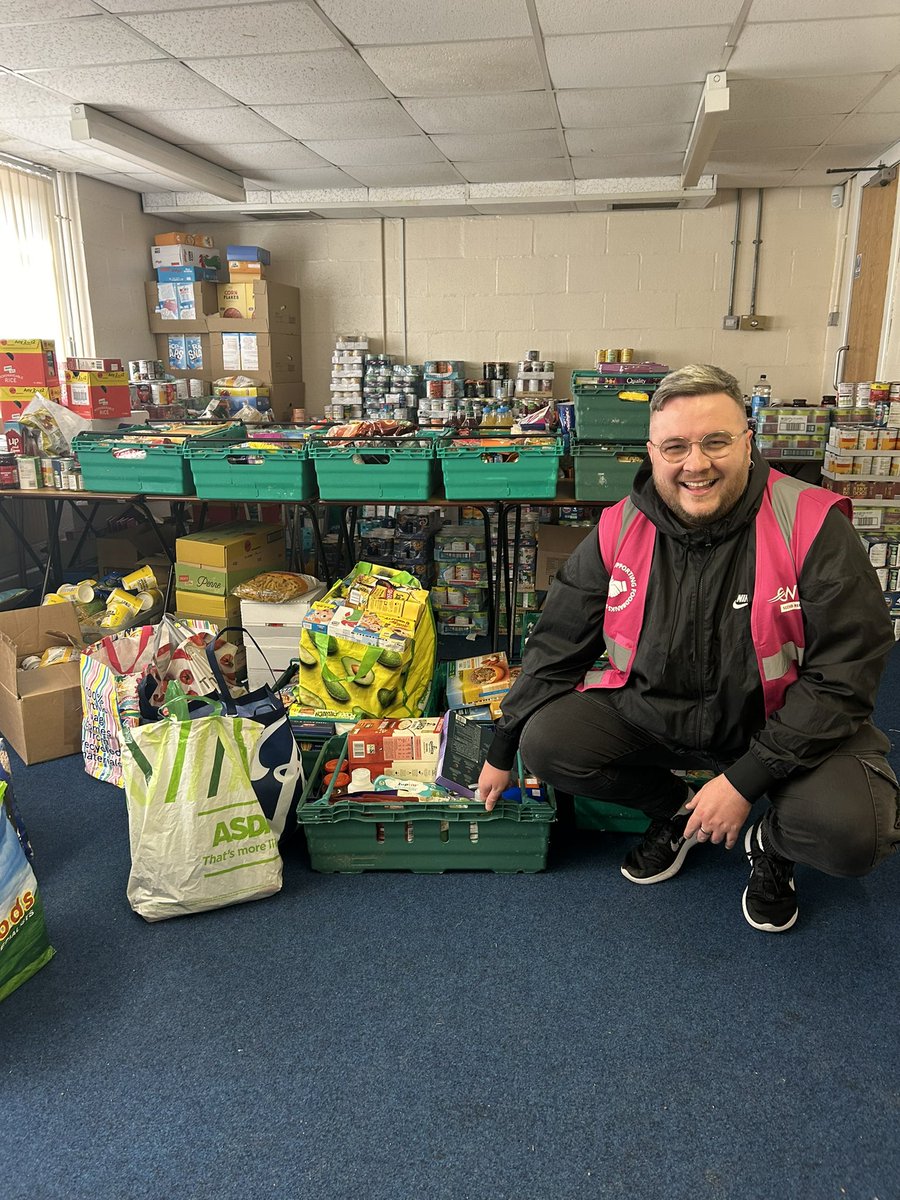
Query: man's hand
point(492, 783)
point(718, 811)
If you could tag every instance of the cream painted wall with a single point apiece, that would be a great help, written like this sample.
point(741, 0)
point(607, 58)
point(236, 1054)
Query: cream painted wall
point(115, 237)
point(494, 287)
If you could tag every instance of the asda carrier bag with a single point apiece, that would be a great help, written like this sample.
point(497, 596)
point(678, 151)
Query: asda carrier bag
point(199, 839)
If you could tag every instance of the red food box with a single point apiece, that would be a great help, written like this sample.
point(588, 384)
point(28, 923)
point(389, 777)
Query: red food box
point(405, 747)
point(28, 363)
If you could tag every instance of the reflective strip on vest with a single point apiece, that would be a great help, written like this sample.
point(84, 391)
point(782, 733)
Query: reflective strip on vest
point(778, 664)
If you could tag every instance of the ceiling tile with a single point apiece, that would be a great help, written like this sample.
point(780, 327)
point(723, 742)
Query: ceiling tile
point(262, 29)
point(124, 6)
point(292, 78)
point(247, 157)
point(408, 175)
point(390, 22)
point(862, 128)
point(653, 56)
point(19, 98)
point(511, 171)
point(735, 161)
point(886, 99)
point(318, 177)
point(777, 99)
point(798, 131)
point(483, 114)
point(602, 16)
point(863, 44)
point(26, 12)
point(608, 108)
point(508, 65)
point(813, 10)
point(529, 144)
point(629, 139)
point(140, 86)
point(844, 156)
point(207, 125)
point(43, 155)
point(625, 166)
point(376, 151)
point(88, 41)
point(354, 119)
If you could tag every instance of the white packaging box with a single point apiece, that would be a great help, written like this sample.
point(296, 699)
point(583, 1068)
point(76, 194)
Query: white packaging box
point(231, 351)
point(249, 351)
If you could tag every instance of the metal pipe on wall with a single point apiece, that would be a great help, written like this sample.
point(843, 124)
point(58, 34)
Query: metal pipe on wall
point(735, 242)
point(757, 241)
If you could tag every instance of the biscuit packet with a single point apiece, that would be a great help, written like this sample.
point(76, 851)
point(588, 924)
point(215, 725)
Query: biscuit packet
point(274, 587)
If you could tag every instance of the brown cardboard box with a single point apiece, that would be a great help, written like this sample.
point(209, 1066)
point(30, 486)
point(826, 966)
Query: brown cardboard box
point(555, 544)
point(40, 710)
point(276, 309)
point(230, 547)
point(279, 356)
point(204, 299)
point(222, 610)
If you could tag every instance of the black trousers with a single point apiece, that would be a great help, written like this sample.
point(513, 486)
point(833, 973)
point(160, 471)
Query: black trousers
point(841, 817)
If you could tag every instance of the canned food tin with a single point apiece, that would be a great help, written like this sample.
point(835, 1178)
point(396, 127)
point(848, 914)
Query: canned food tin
point(879, 392)
point(862, 394)
point(9, 472)
point(30, 662)
point(862, 464)
point(29, 473)
point(533, 354)
point(626, 354)
point(59, 467)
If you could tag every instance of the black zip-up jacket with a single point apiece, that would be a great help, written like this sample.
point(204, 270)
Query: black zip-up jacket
point(695, 680)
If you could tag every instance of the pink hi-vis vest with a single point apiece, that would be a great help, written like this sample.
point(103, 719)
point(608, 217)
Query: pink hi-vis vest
point(790, 516)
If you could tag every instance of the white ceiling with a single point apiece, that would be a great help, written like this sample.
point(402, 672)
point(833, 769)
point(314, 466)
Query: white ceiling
point(306, 99)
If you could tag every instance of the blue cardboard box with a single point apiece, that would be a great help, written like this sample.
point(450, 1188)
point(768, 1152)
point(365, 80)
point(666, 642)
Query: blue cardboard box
point(187, 274)
point(248, 254)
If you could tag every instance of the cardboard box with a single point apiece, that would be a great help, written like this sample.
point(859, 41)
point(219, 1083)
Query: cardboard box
point(248, 254)
point(14, 401)
point(186, 306)
point(180, 238)
point(186, 355)
point(223, 610)
point(129, 549)
point(187, 274)
point(31, 363)
point(98, 393)
point(408, 749)
point(279, 622)
point(555, 544)
point(184, 256)
point(40, 710)
point(279, 357)
point(245, 272)
point(212, 581)
point(276, 309)
point(94, 364)
point(230, 547)
point(236, 300)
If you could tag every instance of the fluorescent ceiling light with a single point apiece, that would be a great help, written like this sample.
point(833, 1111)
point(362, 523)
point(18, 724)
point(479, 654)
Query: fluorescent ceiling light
point(714, 104)
point(106, 133)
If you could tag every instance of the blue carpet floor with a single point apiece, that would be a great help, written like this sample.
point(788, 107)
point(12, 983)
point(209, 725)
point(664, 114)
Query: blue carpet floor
point(560, 1035)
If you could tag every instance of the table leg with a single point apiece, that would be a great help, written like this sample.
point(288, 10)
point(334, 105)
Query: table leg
point(22, 542)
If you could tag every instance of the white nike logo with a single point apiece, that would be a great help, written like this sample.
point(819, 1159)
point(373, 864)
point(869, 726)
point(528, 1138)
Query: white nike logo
point(742, 601)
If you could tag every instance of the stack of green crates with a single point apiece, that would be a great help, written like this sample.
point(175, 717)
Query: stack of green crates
point(612, 424)
point(271, 465)
point(376, 469)
point(145, 459)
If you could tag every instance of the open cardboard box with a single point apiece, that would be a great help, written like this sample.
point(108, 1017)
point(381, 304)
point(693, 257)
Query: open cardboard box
point(40, 710)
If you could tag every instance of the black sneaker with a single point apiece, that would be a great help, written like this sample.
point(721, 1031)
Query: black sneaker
point(661, 853)
point(770, 898)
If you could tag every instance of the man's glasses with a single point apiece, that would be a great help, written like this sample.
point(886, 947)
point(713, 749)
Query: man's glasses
point(713, 445)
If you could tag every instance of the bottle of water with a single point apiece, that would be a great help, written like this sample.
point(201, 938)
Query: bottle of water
point(761, 396)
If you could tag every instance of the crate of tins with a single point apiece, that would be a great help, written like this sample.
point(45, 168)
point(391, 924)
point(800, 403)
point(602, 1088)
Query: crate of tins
point(460, 592)
point(373, 468)
point(272, 464)
point(612, 405)
point(426, 836)
point(147, 459)
point(884, 555)
point(863, 462)
point(508, 466)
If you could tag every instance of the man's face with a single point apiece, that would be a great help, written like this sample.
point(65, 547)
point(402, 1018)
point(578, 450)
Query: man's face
point(700, 489)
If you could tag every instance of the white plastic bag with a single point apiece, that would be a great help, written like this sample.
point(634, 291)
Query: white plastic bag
point(199, 839)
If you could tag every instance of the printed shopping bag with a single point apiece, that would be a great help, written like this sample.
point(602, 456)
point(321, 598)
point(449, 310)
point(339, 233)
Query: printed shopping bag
point(113, 669)
point(199, 839)
point(9, 800)
point(356, 664)
point(24, 946)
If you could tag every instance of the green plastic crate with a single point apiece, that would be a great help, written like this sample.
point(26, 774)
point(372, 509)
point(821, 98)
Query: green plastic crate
point(612, 818)
point(472, 472)
point(604, 416)
point(605, 472)
point(222, 470)
point(109, 463)
point(405, 471)
point(349, 836)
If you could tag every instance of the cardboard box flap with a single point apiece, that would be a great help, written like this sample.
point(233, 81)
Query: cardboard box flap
point(8, 663)
point(48, 679)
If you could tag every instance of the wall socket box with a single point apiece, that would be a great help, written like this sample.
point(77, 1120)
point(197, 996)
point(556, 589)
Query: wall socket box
point(755, 322)
point(731, 322)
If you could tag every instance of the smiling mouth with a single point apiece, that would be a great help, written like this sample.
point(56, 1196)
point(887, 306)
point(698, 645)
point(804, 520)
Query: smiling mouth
point(698, 487)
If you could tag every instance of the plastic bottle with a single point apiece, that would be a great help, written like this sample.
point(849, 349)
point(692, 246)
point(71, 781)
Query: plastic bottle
point(761, 395)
